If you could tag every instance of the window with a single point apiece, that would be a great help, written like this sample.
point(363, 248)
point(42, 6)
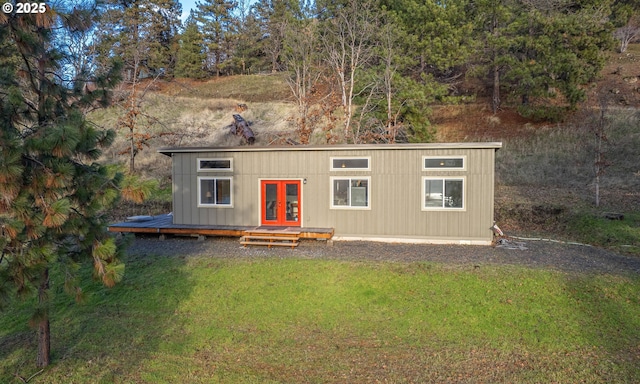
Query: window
point(350, 192)
point(350, 163)
point(443, 162)
point(214, 192)
point(215, 164)
point(442, 193)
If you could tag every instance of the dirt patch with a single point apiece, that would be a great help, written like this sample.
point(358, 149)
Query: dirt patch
point(476, 122)
point(619, 80)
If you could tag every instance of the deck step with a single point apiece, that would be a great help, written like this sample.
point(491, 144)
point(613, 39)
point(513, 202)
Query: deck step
point(269, 244)
point(270, 238)
point(273, 239)
point(254, 232)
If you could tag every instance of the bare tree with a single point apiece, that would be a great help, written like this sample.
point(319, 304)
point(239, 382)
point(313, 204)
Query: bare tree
point(599, 163)
point(599, 126)
point(629, 33)
point(389, 56)
point(350, 40)
point(300, 59)
point(137, 122)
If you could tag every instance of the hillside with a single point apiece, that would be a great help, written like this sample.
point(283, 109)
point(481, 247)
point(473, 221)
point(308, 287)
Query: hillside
point(545, 172)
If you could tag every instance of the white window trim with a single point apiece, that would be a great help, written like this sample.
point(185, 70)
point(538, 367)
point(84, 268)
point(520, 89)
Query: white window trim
point(215, 205)
point(463, 168)
point(349, 207)
point(444, 178)
point(229, 159)
point(368, 158)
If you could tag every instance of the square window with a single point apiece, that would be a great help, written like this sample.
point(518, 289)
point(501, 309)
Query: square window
point(214, 192)
point(350, 193)
point(443, 193)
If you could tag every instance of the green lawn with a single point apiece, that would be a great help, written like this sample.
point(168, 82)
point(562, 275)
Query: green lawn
point(214, 320)
point(619, 235)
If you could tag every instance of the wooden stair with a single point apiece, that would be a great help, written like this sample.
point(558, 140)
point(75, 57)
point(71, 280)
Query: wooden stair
point(270, 238)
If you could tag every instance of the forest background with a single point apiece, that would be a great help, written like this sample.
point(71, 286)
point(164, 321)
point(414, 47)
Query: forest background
point(368, 71)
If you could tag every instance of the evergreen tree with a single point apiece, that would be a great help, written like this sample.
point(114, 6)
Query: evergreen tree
point(143, 33)
point(555, 50)
point(215, 18)
point(191, 55)
point(275, 17)
point(439, 33)
point(248, 56)
point(163, 28)
point(540, 54)
point(492, 17)
point(53, 193)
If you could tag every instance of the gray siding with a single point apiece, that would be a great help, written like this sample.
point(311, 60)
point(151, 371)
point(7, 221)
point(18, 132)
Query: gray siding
point(395, 191)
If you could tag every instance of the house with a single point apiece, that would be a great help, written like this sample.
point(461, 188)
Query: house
point(432, 193)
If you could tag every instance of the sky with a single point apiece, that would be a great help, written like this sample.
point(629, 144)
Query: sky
point(187, 5)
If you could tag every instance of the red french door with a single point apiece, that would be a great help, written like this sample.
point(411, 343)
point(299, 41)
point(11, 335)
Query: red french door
point(280, 203)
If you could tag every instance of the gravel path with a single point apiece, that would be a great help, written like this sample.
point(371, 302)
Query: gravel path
point(538, 254)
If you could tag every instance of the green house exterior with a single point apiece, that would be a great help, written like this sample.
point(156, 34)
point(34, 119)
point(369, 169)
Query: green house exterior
point(432, 193)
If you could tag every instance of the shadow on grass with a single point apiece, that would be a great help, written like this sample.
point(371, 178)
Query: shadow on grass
point(608, 309)
point(109, 336)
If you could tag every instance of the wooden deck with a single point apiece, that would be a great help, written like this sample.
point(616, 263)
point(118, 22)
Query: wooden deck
point(163, 225)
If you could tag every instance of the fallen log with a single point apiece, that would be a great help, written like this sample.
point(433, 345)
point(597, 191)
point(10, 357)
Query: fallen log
point(241, 127)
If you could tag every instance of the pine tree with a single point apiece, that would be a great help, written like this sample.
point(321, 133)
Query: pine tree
point(217, 26)
point(163, 25)
point(248, 53)
point(191, 55)
point(541, 54)
point(53, 193)
point(492, 17)
point(142, 33)
point(275, 16)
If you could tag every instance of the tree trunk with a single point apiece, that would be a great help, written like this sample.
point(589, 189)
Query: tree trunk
point(44, 331)
point(495, 105)
point(132, 155)
point(495, 102)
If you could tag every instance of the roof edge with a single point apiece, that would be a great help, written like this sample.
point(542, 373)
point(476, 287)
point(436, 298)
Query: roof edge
point(344, 147)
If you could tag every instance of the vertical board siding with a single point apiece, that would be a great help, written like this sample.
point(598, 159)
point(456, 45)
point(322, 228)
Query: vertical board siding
point(395, 191)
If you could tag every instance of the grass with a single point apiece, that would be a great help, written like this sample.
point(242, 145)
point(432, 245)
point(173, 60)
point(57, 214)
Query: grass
point(253, 88)
point(215, 320)
point(620, 235)
point(563, 156)
point(546, 182)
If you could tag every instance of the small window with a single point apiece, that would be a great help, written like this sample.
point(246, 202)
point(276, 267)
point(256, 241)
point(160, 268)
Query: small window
point(350, 163)
point(350, 193)
point(443, 162)
point(443, 193)
point(214, 192)
point(215, 164)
